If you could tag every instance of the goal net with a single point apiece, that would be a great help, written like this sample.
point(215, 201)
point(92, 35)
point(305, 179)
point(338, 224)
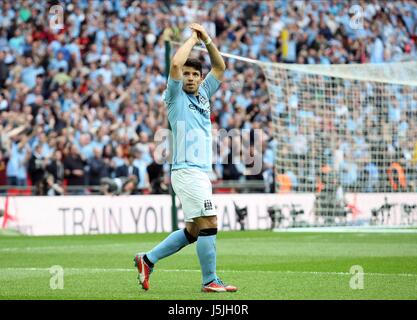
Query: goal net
point(344, 129)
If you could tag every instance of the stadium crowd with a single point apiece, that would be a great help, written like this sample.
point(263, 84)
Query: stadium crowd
point(82, 101)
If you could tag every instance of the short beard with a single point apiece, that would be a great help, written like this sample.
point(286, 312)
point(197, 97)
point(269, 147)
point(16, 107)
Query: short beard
point(190, 92)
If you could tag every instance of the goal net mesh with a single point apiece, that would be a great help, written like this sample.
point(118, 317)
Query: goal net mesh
point(344, 128)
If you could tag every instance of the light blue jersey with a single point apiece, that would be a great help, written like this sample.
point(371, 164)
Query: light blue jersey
point(189, 116)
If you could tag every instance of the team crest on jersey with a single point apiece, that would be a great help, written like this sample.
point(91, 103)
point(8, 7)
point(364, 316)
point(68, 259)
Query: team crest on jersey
point(203, 101)
point(208, 205)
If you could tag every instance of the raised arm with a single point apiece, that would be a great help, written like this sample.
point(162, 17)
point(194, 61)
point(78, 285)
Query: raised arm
point(181, 57)
point(217, 63)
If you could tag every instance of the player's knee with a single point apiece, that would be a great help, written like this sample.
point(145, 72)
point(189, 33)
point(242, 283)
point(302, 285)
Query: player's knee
point(206, 222)
point(207, 232)
point(212, 222)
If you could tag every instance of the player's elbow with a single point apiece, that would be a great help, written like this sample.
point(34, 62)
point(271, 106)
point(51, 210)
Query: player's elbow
point(175, 64)
point(222, 67)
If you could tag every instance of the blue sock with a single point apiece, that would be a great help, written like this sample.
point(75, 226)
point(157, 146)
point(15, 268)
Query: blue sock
point(206, 250)
point(171, 244)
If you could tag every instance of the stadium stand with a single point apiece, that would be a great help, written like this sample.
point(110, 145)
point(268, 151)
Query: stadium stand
point(84, 101)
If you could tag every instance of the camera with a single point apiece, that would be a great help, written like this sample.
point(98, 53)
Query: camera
point(118, 186)
point(382, 213)
point(408, 212)
point(241, 214)
point(276, 216)
point(294, 213)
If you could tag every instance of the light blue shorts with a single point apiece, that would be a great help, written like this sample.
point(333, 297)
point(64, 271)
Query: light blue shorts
point(193, 188)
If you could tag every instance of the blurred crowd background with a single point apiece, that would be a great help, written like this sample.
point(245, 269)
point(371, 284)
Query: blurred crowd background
point(80, 105)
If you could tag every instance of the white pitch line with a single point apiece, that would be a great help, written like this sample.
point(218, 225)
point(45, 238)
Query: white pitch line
point(81, 270)
point(375, 229)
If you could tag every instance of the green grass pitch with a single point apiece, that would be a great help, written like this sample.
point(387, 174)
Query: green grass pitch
point(264, 265)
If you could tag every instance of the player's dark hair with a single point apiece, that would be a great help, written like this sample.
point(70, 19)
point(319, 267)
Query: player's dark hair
point(194, 63)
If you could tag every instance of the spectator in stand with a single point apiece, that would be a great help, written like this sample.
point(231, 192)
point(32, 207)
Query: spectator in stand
point(51, 188)
point(37, 169)
point(17, 165)
point(56, 167)
point(98, 168)
point(128, 168)
point(74, 168)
